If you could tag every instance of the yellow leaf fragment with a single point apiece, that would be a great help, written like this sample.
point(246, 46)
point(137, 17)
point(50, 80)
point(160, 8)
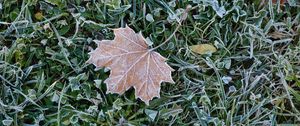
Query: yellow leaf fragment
point(203, 48)
point(38, 15)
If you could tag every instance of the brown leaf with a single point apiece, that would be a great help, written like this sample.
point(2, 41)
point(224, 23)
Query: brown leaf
point(280, 1)
point(132, 64)
point(277, 35)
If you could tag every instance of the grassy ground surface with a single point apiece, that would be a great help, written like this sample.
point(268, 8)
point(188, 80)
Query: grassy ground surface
point(252, 79)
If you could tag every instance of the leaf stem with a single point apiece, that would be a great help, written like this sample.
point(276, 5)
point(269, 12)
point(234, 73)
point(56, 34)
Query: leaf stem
point(167, 40)
point(182, 18)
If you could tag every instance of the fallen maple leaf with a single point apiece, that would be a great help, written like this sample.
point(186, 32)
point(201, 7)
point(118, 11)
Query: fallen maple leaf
point(132, 64)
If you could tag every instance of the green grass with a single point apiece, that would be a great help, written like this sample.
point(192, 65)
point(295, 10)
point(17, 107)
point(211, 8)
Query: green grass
point(44, 78)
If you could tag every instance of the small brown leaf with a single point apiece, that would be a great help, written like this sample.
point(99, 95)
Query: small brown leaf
point(277, 35)
point(203, 48)
point(132, 64)
point(280, 1)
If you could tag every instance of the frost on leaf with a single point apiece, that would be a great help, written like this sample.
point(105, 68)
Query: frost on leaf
point(131, 64)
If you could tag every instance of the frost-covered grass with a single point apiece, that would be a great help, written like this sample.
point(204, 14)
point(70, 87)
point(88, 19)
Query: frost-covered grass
point(252, 79)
